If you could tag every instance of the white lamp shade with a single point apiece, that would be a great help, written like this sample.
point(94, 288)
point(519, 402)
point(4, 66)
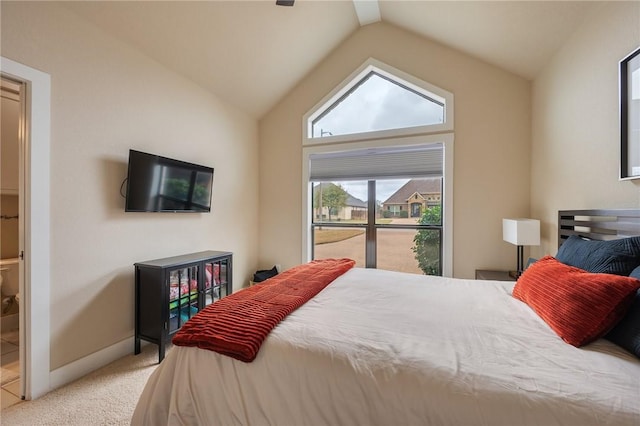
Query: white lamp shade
point(521, 232)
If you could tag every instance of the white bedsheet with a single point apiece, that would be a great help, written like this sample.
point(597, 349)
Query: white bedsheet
point(386, 348)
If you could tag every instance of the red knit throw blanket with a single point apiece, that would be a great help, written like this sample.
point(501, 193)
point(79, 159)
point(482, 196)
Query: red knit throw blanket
point(237, 324)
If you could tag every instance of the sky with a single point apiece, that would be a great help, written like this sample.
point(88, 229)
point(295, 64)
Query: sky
point(384, 188)
point(378, 104)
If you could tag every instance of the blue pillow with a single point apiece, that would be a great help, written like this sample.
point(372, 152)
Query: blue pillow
point(618, 257)
point(626, 333)
point(635, 273)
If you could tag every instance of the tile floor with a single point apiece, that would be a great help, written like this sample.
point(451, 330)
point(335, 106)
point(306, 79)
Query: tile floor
point(9, 368)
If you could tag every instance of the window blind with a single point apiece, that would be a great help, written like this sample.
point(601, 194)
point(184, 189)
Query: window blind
point(378, 163)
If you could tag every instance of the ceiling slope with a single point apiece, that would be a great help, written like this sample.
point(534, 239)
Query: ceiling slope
point(518, 36)
point(251, 53)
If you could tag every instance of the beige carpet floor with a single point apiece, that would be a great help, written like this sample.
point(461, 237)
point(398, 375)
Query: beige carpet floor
point(107, 396)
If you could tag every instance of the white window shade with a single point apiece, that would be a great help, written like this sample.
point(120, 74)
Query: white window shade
point(378, 163)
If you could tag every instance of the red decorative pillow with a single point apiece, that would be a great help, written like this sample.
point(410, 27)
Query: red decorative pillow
point(579, 306)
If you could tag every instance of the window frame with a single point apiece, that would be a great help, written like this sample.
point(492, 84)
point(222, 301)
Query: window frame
point(445, 139)
point(372, 226)
point(389, 72)
point(419, 135)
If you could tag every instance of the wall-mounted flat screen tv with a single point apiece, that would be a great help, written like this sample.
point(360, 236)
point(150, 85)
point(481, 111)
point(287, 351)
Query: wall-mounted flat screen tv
point(160, 184)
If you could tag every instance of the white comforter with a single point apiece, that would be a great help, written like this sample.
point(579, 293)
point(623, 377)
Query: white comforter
point(387, 348)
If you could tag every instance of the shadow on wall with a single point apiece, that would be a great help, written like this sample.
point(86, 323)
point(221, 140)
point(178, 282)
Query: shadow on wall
point(114, 172)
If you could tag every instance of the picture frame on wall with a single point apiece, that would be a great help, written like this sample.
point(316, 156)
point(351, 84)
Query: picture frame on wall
point(629, 76)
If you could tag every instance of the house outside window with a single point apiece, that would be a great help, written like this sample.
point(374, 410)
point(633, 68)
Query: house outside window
point(415, 196)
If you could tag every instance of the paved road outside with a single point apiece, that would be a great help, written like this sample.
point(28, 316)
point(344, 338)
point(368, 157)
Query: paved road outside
point(394, 249)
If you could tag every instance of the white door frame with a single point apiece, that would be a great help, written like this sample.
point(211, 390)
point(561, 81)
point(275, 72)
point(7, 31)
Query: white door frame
point(34, 288)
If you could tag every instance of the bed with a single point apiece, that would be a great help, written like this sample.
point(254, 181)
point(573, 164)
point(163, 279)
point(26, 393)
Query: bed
point(376, 347)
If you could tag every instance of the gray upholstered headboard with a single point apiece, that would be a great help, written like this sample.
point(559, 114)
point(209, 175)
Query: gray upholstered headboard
point(598, 224)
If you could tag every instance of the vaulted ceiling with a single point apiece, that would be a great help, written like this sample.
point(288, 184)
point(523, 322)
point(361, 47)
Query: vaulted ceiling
point(251, 53)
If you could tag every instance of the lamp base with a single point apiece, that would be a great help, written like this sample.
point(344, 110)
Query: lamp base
point(520, 263)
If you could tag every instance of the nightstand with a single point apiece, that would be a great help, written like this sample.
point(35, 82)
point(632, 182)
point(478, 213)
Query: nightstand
point(482, 274)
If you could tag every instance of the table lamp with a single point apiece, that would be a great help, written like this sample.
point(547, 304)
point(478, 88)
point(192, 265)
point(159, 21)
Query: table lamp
point(521, 232)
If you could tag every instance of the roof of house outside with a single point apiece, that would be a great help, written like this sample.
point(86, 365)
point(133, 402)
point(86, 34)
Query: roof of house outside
point(355, 202)
point(421, 186)
point(351, 200)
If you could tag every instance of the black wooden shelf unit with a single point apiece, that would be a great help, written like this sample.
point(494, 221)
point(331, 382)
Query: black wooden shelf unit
point(169, 291)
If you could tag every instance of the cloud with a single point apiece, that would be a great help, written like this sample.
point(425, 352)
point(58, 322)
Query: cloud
point(384, 188)
point(379, 104)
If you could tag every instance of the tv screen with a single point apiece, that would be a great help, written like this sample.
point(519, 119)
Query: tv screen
point(160, 184)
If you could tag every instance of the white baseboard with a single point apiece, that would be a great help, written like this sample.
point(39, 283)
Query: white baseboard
point(77, 369)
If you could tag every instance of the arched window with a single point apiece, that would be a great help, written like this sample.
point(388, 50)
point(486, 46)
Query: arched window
point(378, 100)
point(377, 171)
point(376, 103)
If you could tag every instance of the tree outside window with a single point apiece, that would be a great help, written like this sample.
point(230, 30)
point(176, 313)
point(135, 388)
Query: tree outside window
point(427, 242)
point(331, 196)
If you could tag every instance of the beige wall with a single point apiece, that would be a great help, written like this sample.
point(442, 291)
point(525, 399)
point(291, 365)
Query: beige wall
point(492, 145)
point(106, 99)
point(576, 139)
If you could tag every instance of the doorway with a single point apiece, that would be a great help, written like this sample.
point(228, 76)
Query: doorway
point(11, 236)
point(34, 215)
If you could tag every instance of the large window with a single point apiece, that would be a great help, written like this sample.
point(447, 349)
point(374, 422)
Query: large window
point(377, 173)
point(353, 219)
